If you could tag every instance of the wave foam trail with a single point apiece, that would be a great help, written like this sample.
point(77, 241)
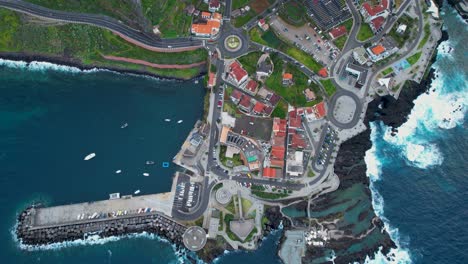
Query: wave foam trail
point(43, 66)
point(400, 254)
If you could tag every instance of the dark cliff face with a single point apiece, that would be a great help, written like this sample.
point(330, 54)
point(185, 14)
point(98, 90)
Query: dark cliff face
point(362, 235)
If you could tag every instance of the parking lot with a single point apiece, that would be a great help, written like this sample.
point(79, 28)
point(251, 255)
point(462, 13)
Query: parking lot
point(308, 39)
point(328, 144)
point(187, 195)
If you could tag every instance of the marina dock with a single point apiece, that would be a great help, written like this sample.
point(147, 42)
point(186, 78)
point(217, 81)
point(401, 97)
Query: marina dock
point(119, 216)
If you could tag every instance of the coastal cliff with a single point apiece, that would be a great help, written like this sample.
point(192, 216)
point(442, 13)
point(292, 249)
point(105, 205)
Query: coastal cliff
point(357, 232)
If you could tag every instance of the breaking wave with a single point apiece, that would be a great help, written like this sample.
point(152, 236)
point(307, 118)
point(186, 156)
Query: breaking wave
point(442, 107)
point(179, 252)
point(400, 254)
point(42, 66)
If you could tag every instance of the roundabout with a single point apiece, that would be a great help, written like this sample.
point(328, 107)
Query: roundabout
point(194, 238)
point(233, 43)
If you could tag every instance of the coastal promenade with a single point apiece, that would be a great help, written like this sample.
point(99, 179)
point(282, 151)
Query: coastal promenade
point(137, 37)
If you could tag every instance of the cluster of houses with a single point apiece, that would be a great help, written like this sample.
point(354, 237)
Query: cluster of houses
point(375, 15)
point(248, 87)
point(207, 24)
point(289, 144)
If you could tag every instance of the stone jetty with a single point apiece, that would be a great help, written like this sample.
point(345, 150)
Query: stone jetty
point(153, 222)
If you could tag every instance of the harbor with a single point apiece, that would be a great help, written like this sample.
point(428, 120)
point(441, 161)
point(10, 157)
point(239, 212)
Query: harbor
point(119, 215)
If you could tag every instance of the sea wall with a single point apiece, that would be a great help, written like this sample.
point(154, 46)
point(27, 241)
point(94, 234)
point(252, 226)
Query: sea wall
point(154, 223)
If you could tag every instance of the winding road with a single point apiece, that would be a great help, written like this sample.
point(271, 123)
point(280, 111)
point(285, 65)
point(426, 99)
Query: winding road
point(143, 39)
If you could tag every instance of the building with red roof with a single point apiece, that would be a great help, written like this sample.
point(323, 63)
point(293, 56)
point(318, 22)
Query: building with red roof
point(277, 156)
point(369, 12)
point(270, 172)
point(214, 5)
point(263, 25)
point(279, 125)
point(245, 103)
point(258, 108)
point(211, 80)
point(323, 72)
point(287, 79)
point(320, 110)
point(295, 123)
point(337, 32)
point(237, 74)
point(376, 24)
point(251, 86)
point(236, 96)
point(297, 142)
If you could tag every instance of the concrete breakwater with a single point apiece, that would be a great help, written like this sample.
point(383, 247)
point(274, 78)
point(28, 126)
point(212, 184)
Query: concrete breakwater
point(151, 222)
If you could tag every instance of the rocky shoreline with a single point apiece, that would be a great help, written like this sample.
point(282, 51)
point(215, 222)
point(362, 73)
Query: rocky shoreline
point(60, 60)
point(351, 169)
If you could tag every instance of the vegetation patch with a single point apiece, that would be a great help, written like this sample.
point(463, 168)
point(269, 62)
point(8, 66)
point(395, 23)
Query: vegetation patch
point(280, 110)
point(427, 34)
point(293, 94)
point(269, 38)
point(234, 161)
point(387, 71)
point(407, 35)
point(293, 13)
point(87, 45)
point(249, 61)
point(365, 32)
point(246, 17)
point(340, 42)
point(329, 87)
point(414, 58)
point(269, 195)
point(169, 16)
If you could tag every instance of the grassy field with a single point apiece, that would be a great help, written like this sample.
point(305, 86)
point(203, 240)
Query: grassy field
point(246, 204)
point(280, 110)
point(242, 20)
point(249, 61)
point(268, 195)
point(236, 4)
point(119, 9)
point(387, 71)
point(365, 32)
point(414, 58)
point(292, 94)
point(169, 15)
point(348, 24)
point(329, 87)
point(87, 44)
point(270, 39)
point(293, 13)
point(340, 42)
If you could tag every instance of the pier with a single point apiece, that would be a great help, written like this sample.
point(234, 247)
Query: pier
point(113, 217)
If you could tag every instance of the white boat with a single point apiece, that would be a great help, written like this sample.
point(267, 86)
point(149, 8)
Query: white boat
point(149, 162)
point(146, 174)
point(196, 81)
point(118, 171)
point(124, 125)
point(90, 156)
point(137, 192)
point(180, 121)
point(167, 120)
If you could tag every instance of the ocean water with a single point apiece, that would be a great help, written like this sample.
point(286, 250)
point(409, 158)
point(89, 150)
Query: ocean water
point(52, 116)
point(419, 177)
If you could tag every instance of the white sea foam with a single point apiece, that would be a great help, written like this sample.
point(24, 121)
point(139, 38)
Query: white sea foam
point(401, 254)
point(41, 66)
point(440, 108)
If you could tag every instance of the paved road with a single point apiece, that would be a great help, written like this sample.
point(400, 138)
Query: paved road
point(227, 10)
point(103, 22)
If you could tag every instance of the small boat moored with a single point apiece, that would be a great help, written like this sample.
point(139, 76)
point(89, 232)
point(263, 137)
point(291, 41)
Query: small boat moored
point(118, 171)
point(146, 174)
point(124, 125)
point(90, 156)
point(180, 121)
point(167, 120)
point(137, 192)
point(149, 162)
